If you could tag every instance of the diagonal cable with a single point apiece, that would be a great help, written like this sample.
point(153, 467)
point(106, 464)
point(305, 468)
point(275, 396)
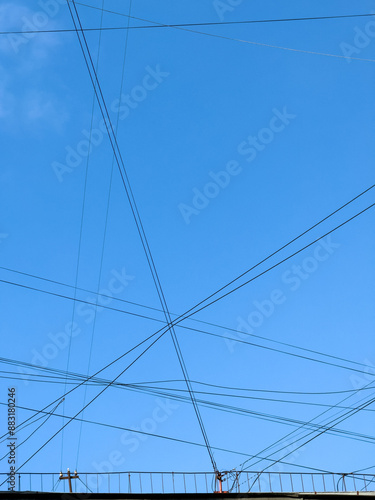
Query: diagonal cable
point(136, 216)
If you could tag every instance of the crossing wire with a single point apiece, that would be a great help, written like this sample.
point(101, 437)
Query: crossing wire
point(136, 215)
point(181, 25)
point(179, 318)
point(259, 44)
point(333, 422)
point(228, 284)
point(199, 330)
point(227, 328)
point(263, 416)
point(102, 252)
point(293, 432)
point(95, 381)
point(135, 431)
point(195, 309)
point(49, 415)
point(71, 419)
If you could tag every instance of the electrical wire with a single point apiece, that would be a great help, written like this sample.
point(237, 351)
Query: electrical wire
point(192, 319)
point(272, 349)
point(217, 335)
point(90, 377)
point(119, 385)
point(87, 404)
point(306, 435)
point(244, 41)
point(252, 279)
point(133, 205)
point(79, 376)
point(103, 243)
point(170, 326)
point(135, 431)
point(80, 242)
point(49, 415)
point(181, 25)
point(232, 281)
point(333, 422)
point(194, 310)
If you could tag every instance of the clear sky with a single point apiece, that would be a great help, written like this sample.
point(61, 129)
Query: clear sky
point(232, 150)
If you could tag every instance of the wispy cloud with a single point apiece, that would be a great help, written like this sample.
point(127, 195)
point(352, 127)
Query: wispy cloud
point(18, 17)
point(28, 104)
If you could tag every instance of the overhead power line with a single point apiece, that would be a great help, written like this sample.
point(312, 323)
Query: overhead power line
point(135, 212)
point(227, 328)
point(203, 305)
point(162, 437)
point(184, 27)
point(240, 40)
point(283, 247)
point(42, 378)
point(88, 404)
point(332, 424)
point(322, 425)
point(232, 339)
point(181, 25)
point(191, 312)
point(77, 377)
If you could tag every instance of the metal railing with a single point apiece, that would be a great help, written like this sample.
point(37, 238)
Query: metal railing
point(193, 482)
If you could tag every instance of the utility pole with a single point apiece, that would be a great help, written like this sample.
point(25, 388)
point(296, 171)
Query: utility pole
point(69, 477)
point(220, 478)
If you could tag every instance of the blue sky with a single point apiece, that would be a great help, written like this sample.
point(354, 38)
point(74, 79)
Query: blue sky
point(232, 150)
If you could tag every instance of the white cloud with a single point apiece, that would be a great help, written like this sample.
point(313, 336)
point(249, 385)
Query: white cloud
point(23, 100)
point(16, 17)
point(39, 106)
